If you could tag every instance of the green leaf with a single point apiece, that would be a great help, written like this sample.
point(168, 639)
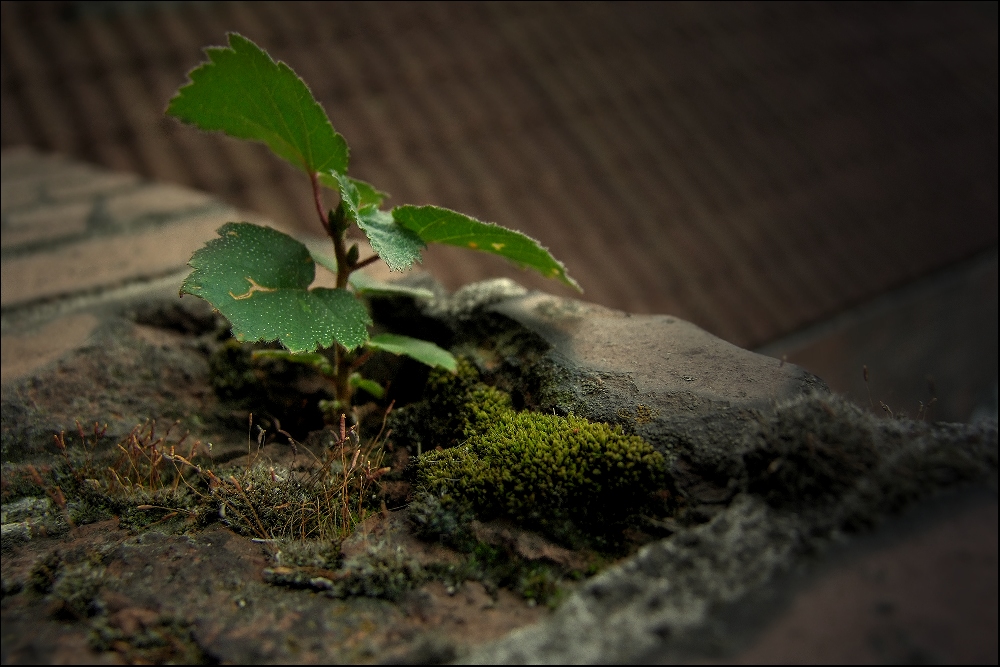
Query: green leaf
point(241, 91)
point(372, 387)
point(367, 196)
point(399, 248)
point(350, 196)
point(422, 350)
point(434, 224)
point(258, 277)
point(362, 283)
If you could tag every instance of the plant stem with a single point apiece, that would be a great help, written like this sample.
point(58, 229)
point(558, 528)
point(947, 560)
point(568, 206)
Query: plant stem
point(336, 230)
point(342, 378)
point(318, 201)
point(365, 262)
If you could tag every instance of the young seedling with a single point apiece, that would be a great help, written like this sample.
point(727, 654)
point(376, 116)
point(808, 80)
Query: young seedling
point(260, 278)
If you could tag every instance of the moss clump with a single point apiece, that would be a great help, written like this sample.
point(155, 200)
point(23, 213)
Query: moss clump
point(77, 587)
point(534, 468)
point(456, 406)
point(538, 582)
point(308, 553)
point(554, 473)
point(271, 502)
point(445, 521)
point(71, 581)
point(29, 517)
point(824, 455)
point(384, 571)
point(809, 452)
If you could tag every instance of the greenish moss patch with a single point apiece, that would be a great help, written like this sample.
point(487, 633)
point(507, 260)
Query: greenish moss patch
point(559, 474)
point(455, 406)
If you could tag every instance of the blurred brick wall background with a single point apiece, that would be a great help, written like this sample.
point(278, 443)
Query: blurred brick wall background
point(753, 168)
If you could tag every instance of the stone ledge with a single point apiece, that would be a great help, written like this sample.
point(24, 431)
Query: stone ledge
point(77, 237)
point(128, 369)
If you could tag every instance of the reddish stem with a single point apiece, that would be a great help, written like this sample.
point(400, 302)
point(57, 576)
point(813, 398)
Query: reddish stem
point(366, 261)
point(342, 372)
point(318, 201)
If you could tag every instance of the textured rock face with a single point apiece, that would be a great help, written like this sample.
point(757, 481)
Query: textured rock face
point(676, 385)
point(691, 595)
point(771, 468)
point(604, 364)
point(616, 362)
point(687, 392)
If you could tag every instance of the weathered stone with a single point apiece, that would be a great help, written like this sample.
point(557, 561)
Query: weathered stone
point(769, 468)
point(680, 598)
point(687, 392)
point(674, 368)
point(27, 351)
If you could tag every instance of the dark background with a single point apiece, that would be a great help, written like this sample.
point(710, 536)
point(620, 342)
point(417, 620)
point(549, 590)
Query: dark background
point(816, 181)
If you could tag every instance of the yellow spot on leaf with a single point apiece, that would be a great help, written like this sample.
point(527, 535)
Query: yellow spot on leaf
point(473, 244)
point(254, 287)
point(498, 246)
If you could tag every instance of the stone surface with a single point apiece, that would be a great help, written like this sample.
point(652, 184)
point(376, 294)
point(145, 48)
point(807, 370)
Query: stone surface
point(679, 387)
point(669, 381)
point(26, 351)
point(70, 229)
point(670, 366)
point(771, 474)
point(705, 591)
point(922, 591)
point(76, 238)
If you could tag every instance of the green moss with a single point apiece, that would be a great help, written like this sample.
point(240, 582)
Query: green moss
point(45, 572)
point(71, 580)
point(320, 554)
point(17, 482)
point(535, 581)
point(30, 517)
point(446, 522)
point(272, 503)
point(544, 471)
point(456, 406)
point(539, 583)
point(77, 587)
point(170, 510)
point(383, 571)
